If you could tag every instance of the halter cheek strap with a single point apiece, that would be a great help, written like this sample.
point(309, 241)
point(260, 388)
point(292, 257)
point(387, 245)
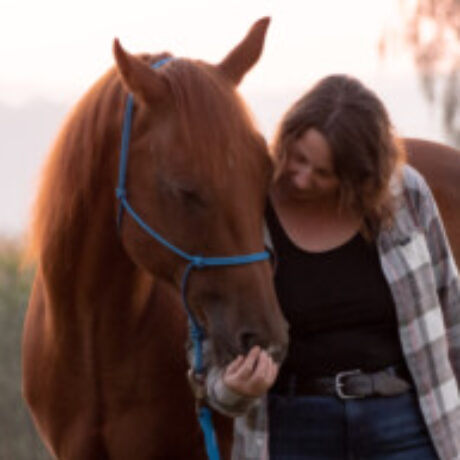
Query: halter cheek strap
point(198, 262)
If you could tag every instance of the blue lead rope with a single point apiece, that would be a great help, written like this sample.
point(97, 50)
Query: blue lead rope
point(197, 333)
point(205, 419)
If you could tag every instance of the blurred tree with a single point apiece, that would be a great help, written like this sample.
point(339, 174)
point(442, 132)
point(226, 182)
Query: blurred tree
point(18, 439)
point(431, 29)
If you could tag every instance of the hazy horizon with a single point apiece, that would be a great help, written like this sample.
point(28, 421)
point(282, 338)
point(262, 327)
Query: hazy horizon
point(27, 132)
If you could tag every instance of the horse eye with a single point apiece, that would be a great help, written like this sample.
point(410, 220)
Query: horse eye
point(192, 197)
point(186, 194)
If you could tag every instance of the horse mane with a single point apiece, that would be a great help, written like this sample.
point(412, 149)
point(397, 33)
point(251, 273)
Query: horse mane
point(77, 165)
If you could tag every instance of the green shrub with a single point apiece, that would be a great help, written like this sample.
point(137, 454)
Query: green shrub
point(18, 439)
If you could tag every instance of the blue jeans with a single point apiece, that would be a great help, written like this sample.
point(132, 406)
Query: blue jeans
point(325, 427)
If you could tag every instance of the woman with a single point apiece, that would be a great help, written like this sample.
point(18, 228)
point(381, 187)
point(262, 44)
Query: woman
point(366, 279)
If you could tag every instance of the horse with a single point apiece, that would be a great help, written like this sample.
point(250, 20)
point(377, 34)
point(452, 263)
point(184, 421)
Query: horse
point(440, 165)
point(104, 360)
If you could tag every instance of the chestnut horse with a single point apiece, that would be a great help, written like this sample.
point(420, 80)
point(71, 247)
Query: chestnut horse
point(104, 363)
point(440, 165)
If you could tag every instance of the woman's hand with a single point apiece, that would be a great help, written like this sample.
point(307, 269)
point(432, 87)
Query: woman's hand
point(251, 375)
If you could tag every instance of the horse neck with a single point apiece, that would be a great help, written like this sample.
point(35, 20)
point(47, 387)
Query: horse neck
point(85, 269)
point(93, 284)
point(86, 261)
point(106, 302)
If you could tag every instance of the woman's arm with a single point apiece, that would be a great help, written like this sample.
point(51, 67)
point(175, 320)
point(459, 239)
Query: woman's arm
point(444, 268)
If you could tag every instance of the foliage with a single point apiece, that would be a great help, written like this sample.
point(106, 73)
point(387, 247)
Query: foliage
point(432, 33)
point(18, 440)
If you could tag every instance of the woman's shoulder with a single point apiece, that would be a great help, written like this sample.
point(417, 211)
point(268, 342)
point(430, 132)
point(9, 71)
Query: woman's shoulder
point(409, 180)
point(414, 201)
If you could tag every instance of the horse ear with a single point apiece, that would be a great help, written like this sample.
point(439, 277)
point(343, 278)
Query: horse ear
point(246, 53)
point(138, 76)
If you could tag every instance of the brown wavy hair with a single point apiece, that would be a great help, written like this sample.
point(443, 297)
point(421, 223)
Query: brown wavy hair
point(365, 151)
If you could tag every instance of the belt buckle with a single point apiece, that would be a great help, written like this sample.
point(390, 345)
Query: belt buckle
point(339, 384)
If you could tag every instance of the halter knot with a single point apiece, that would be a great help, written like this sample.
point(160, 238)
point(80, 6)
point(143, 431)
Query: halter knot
point(198, 261)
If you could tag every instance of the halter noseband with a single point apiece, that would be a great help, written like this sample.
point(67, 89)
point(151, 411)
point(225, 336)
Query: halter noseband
point(197, 333)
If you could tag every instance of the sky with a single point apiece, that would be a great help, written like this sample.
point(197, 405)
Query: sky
point(57, 48)
point(52, 51)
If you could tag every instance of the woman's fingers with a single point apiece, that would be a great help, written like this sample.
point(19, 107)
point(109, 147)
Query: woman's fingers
point(273, 371)
point(252, 375)
point(249, 365)
point(270, 371)
point(267, 363)
point(267, 369)
point(235, 365)
point(258, 375)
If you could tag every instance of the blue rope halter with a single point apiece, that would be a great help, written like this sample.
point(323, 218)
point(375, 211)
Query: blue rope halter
point(197, 333)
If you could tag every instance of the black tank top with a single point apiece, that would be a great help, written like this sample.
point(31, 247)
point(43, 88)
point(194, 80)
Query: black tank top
point(338, 304)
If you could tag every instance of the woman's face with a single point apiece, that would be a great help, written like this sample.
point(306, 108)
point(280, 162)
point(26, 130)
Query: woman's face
point(309, 170)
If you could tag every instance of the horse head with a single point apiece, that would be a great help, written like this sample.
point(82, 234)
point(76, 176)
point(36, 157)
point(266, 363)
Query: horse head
point(198, 174)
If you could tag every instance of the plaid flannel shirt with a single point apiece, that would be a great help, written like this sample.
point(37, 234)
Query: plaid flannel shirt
point(423, 278)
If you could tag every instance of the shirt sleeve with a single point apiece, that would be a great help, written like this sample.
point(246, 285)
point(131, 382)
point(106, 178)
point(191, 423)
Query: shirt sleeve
point(444, 268)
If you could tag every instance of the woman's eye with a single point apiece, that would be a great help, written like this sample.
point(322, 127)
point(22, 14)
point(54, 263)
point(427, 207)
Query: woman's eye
point(300, 159)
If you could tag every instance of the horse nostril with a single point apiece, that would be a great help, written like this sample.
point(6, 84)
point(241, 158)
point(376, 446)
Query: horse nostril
point(247, 340)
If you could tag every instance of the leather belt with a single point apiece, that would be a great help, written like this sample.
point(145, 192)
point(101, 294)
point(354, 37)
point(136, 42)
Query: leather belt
point(391, 381)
